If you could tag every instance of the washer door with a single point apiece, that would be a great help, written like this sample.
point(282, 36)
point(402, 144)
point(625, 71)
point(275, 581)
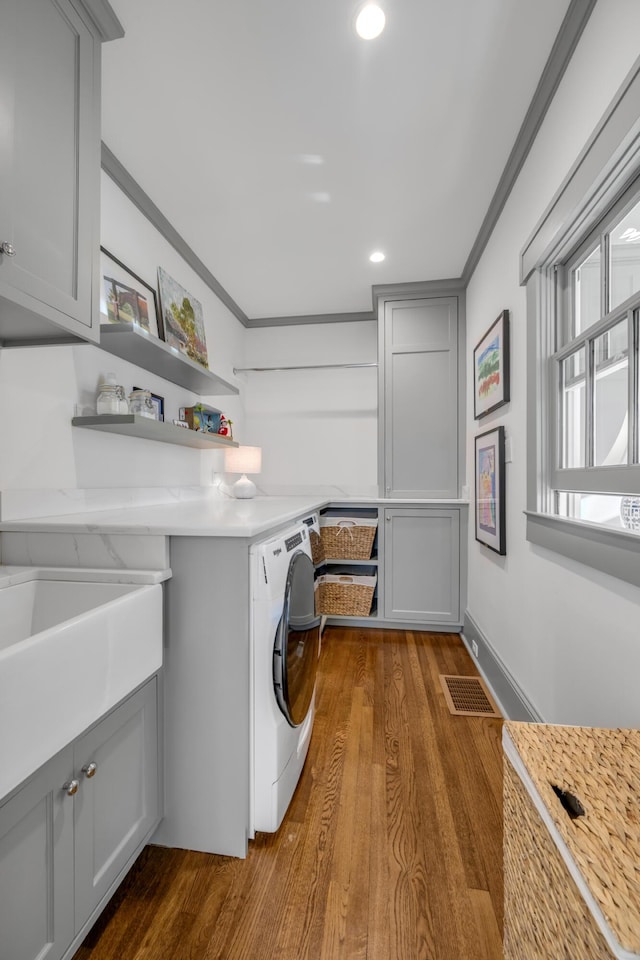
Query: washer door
point(297, 643)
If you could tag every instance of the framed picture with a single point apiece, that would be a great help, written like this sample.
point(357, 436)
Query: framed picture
point(125, 297)
point(491, 368)
point(490, 490)
point(158, 403)
point(182, 319)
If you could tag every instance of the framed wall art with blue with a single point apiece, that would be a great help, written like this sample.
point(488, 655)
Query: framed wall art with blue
point(490, 490)
point(491, 368)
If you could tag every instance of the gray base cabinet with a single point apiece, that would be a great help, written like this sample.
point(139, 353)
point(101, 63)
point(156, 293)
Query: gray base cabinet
point(36, 866)
point(422, 565)
point(62, 853)
point(419, 558)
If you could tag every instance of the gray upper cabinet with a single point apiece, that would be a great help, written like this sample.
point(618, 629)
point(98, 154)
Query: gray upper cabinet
point(419, 398)
point(49, 170)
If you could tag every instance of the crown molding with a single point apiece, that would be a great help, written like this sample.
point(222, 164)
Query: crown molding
point(104, 18)
point(132, 189)
point(574, 22)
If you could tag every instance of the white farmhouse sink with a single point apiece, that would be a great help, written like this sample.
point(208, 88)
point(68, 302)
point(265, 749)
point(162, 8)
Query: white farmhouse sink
point(69, 651)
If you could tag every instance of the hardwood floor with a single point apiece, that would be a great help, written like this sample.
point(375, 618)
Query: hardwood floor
point(391, 849)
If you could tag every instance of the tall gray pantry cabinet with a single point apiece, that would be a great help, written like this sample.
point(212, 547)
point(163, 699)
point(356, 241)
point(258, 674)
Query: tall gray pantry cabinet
point(424, 522)
point(50, 168)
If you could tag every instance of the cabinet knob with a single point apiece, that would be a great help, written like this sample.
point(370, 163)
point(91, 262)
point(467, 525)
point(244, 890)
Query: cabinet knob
point(7, 248)
point(71, 787)
point(89, 770)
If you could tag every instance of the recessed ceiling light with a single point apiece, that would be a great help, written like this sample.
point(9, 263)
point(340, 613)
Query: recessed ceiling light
point(370, 21)
point(312, 159)
point(377, 257)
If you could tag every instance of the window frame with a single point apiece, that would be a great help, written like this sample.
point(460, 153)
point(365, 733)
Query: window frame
point(599, 186)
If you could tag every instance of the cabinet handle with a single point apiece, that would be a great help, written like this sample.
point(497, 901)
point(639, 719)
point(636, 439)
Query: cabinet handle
point(71, 787)
point(7, 248)
point(89, 770)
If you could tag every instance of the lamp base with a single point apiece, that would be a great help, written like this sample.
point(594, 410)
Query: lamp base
point(244, 489)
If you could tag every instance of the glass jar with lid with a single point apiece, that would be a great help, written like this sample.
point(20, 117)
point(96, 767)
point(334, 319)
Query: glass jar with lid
point(140, 404)
point(111, 397)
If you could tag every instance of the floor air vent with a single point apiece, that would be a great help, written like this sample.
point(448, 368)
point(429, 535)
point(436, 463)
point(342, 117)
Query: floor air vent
point(468, 696)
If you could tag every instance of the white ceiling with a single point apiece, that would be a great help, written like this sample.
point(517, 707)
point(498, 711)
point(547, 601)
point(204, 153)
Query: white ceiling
point(285, 150)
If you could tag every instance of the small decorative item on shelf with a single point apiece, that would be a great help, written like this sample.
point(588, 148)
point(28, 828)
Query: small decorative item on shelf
point(140, 403)
point(243, 460)
point(201, 418)
point(181, 423)
point(156, 401)
point(111, 397)
point(225, 428)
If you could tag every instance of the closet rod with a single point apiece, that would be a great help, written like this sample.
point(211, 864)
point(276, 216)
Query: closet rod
point(317, 366)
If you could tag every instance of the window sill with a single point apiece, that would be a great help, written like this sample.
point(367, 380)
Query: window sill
point(615, 552)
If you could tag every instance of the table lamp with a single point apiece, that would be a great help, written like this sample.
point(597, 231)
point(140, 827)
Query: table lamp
point(243, 460)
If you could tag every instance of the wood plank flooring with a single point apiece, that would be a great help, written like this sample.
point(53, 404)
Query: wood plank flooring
point(391, 849)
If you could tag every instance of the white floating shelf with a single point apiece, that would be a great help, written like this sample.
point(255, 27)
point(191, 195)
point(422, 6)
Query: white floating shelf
point(131, 425)
point(131, 342)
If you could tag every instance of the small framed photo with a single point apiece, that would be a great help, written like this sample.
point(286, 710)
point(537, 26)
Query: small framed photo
point(126, 298)
point(491, 368)
point(490, 490)
point(158, 403)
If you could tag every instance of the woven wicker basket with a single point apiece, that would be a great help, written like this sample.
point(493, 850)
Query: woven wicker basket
point(317, 549)
point(344, 596)
point(348, 538)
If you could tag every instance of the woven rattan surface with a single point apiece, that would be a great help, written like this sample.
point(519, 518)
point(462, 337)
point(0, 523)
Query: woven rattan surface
point(344, 599)
point(602, 769)
point(348, 541)
point(545, 917)
point(317, 550)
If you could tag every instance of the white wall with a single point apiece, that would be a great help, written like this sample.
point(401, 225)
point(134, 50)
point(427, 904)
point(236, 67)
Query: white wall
point(568, 635)
point(40, 387)
point(318, 428)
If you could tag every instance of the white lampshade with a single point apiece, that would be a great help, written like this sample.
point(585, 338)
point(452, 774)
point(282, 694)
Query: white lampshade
point(243, 460)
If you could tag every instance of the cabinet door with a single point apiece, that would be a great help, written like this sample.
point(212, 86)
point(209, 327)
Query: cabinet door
point(49, 168)
point(422, 565)
point(117, 806)
point(420, 398)
point(36, 866)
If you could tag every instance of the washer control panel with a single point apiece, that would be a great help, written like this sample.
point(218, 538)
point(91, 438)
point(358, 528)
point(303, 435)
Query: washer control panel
point(294, 541)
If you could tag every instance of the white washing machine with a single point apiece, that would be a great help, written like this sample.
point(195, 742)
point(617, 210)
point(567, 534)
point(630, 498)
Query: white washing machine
point(285, 638)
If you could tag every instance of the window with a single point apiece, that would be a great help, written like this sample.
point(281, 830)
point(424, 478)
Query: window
point(592, 375)
point(581, 268)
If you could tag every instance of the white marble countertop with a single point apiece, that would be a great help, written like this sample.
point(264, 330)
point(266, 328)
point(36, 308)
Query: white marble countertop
point(223, 517)
point(205, 518)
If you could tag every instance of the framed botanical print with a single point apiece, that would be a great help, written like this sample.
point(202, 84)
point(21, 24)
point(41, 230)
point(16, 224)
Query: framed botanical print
point(490, 490)
point(491, 368)
point(182, 319)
